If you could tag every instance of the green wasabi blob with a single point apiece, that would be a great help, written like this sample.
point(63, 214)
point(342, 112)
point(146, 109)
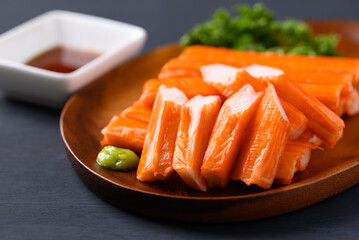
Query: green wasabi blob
point(117, 158)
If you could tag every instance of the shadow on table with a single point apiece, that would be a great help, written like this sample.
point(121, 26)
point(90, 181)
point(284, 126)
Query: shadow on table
point(326, 219)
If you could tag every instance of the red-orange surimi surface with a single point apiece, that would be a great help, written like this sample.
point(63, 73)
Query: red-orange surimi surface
point(329, 95)
point(295, 158)
point(351, 104)
point(197, 120)
point(177, 68)
point(228, 135)
point(227, 80)
point(281, 61)
point(189, 86)
point(328, 88)
point(321, 120)
point(125, 133)
point(323, 79)
point(258, 160)
point(138, 112)
point(297, 120)
point(309, 136)
point(157, 155)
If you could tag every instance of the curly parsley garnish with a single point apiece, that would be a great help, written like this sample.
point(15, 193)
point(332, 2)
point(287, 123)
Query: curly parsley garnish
point(254, 28)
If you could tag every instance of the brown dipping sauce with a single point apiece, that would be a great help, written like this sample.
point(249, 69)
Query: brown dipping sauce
point(62, 59)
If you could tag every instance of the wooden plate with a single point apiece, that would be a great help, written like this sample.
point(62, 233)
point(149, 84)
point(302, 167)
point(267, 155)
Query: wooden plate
point(87, 112)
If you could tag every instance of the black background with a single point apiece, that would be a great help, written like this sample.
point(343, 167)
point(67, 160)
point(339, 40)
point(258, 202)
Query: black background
point(41, 196)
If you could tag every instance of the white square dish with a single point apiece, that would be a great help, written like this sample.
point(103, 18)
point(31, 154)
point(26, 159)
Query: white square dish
point(115, 41)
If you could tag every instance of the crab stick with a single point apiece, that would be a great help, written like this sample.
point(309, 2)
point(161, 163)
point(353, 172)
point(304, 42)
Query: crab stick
point(198, 53)
point(258, 160)
point(297, 120)
point(179, 73)
point(323, 79)
point(281, 61)
point(189, 86)
point(329, 95)
point(320, 79)
point(216, 74)
point(198, 117)
point(308, 136)
point(138, 112)
point(351, 103)
point(227, 80)
point(175, 63)
point(156, 158)
point(321, 120)
point(228, 135)
point(125, 133)
point(175, 68)
point(295, 158)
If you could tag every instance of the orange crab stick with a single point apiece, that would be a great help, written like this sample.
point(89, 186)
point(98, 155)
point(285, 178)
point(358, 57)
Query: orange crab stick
point(179, 73)
point(295, 158)
point(138, 112)
point(176, 63)
point(258, 160)
point(125, 133)
point(323, 78)
point(197, 120)
point(318, 79)
point(308, 136)
point(298, 122)
point(227, 80)
point(351, 104)
point(228, 135)
point(329, 95)
point(321, 120)
point(200, 53)
point(282, 61)
point(156, 159)
point(189, 86)
point(176, 68)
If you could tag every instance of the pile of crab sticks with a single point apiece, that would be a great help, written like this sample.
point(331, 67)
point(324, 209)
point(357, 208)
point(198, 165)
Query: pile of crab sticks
point(216, 114)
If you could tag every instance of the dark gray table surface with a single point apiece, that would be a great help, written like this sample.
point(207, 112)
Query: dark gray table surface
point(41, 196)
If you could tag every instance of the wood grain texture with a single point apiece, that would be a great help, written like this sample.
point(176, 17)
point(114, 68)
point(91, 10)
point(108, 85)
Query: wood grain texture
point(88, 111)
